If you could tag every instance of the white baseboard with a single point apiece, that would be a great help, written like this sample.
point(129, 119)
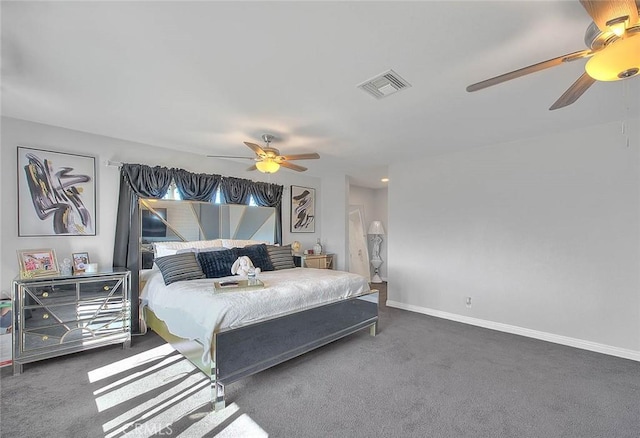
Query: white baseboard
point(550, 337)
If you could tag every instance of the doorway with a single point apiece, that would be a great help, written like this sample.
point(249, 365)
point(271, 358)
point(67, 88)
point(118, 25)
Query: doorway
point(358, 252)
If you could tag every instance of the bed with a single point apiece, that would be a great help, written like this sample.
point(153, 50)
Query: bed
point(231, 333)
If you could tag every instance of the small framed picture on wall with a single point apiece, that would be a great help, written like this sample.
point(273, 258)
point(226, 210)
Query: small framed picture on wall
point(80, 261)
point(303, 206)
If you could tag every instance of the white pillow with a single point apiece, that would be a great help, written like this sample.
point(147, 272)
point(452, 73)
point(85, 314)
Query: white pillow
point(231, 243)
point(199, 250)
point(162, 249)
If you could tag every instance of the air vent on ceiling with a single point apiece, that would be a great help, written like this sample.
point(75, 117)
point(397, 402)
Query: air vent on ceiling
point(384, 84)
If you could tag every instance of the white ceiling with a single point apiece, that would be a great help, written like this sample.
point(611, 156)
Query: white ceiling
point(206, 76)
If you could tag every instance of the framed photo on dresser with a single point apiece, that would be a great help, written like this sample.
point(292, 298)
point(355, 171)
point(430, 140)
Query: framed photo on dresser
point(80, 261)
point(37, 263)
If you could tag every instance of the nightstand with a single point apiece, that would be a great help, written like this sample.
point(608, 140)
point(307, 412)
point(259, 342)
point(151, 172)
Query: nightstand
point(318, 261)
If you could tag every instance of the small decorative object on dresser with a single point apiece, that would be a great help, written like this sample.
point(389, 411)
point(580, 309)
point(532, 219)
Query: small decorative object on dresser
point(36, 263)
point(317, 248)
point(66, 268)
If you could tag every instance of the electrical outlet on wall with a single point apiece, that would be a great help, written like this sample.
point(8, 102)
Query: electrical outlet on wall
point(467, 301)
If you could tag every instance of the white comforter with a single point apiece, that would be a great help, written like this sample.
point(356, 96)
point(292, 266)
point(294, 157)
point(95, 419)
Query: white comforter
point(192, 310)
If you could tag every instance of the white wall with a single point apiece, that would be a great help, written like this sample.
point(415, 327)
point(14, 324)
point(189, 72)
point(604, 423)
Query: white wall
point(374, 203)
point(100, 247)
point(543, 234)
point(334, 220)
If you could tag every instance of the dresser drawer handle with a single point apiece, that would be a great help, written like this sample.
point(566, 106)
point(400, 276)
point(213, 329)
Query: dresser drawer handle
point(45, 316)
point(45, 294)
point(106, 288)
point(45, 337)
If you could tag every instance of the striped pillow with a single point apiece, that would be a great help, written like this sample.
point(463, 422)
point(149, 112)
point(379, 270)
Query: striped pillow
point(281, 257)
point(179, 267)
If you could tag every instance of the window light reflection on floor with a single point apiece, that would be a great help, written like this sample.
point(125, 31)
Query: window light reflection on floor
point(163, 389)
point(129, 363)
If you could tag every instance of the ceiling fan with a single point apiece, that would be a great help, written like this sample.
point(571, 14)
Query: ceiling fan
point(269, 160)
point(614, 50)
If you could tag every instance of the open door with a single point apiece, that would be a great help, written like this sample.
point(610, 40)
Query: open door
point(358, 253)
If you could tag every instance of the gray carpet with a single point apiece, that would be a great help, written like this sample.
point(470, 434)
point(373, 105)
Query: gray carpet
point(420, 377)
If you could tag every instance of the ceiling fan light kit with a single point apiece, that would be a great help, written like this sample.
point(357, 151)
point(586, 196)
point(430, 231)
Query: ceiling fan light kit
point(621, 60)
point(613, 40)
point(267, 166)
point(269, 160)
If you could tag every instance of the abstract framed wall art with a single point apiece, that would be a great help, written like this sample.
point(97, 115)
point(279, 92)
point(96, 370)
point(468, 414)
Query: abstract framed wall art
point(303, 210)
point(56, 193)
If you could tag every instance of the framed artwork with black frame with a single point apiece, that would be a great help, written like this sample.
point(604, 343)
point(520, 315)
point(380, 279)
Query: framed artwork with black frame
point(303, 209)
point(56, 193)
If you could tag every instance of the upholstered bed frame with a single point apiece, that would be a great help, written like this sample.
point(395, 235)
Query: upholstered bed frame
point(246, 350)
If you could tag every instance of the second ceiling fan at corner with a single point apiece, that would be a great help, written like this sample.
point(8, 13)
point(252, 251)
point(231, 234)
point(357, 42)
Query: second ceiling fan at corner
point(269, 160)
point(614, 47)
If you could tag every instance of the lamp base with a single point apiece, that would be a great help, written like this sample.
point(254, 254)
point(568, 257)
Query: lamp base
point(376, 263)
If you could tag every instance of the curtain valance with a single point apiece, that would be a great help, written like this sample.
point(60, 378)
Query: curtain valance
point(153, 182)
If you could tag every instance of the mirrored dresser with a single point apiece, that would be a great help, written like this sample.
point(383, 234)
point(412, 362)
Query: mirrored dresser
point(59, 315)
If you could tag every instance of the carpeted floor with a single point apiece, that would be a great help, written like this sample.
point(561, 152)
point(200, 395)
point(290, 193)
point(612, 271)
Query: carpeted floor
point(420, 377)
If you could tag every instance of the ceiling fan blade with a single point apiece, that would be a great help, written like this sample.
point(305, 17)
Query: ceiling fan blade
point(530, 69)
point(312, 156)
point(574, 92)
point(602, 11)
point(293, 166)
point(228, 156)
point(249, 169)
point(255, 148)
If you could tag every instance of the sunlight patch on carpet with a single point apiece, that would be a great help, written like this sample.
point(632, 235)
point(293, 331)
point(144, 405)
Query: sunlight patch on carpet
point(129, 363)
point(242, 426)
point(160, 393)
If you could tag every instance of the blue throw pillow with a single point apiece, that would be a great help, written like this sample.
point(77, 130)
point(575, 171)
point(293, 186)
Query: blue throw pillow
point(258, 254)
point(216, 264)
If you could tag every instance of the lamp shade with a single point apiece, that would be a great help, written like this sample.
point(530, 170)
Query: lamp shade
point(619, 60)
point(376, 228)
point(267, 166)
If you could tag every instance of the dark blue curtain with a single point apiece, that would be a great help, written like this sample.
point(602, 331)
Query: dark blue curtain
point(235, 190)
point(148, 182)
point(269, 195)
point(196, 186)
